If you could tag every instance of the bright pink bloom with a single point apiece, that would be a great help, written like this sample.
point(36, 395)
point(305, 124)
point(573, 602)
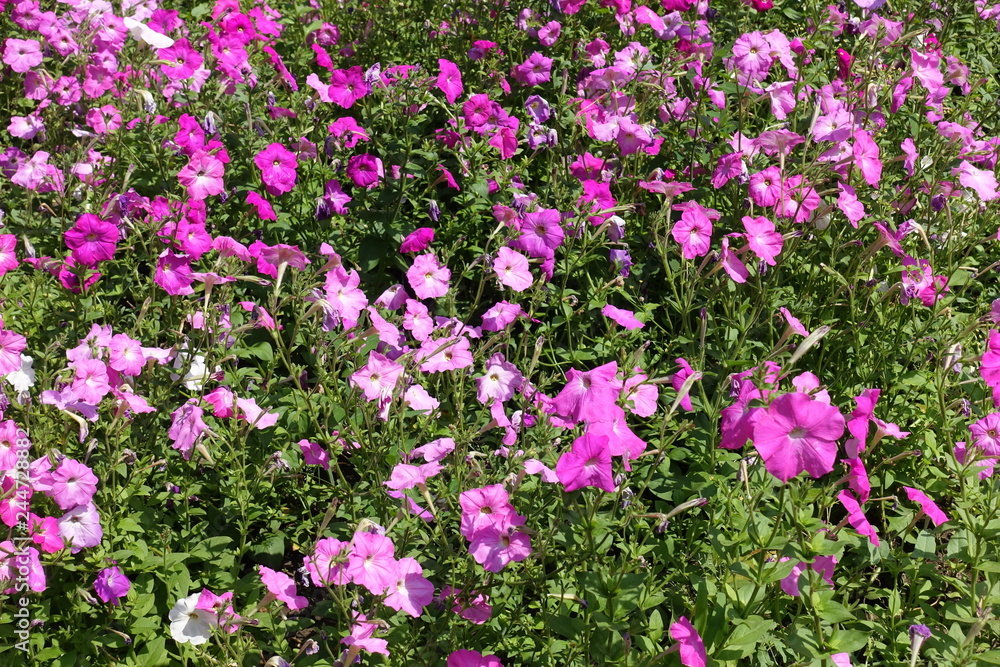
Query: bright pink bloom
point(277, 167)
point(8, 258)
point(624, 318)
point(589, 395)
point(378, 378)
point(417, 240)
point(823, 565)
point(533, 71)
point(449, 81)
point(765, 187)
point(928, 506)
point(362, 636)
point(173, 274)
point(980, 180)
point(371, 563)
point(866, 157)
point(692, 648)
point(483, 507)
point(496, 545)
point(314, 454)
point(694, 233)
point(281, 586)
point(91, 239)
point(797, 433)
point(328, 563)
point(467, 658)
point(857, 518)
point(91, 382)
point(428, 278)
point(365, 170)
point(588, 463)
point(10, 568)
point(45, 533)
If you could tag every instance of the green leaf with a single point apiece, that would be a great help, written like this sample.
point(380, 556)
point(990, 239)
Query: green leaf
point(926, 546)
point(745, 637)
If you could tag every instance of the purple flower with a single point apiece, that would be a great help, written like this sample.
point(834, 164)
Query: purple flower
point(111, 585)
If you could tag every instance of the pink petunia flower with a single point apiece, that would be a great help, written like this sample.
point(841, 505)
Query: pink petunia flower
point(692, 648)
point(328, 563)
point(797, 433)
point(624, 318)
point(22, 54)
point(588, 463)
point(411, 591)
point(427, 277)
point(856, 517)
point(277, 167)
point(449, 81)
point(511, 268)
point(202, 176)
point(282, 587)
point(694, 233)
point(588, 395)
point(928, 506)
point(533, 71)
point(73, 484)
point(92, 239)
point(371, 563)
point(417, 240)
point(365, 170)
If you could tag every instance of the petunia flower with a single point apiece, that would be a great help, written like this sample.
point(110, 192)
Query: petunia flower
point(692, 648)
point(511, 268)
point(282, 587)
point(624, 318)
point(427, 277)
point(927, 506)
point(111, 585)
point(797, 433)
point(587, 463)
point(189, 624)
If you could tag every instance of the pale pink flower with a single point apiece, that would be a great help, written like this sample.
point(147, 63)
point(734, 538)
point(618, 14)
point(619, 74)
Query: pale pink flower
point(428, 278)
point(411, 591)
point(202, 175)
point(512, 269)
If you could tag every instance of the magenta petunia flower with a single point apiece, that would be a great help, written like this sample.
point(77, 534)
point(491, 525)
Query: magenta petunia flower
point(763, 240)
point(21, 564)
point(277, 167)
point(417, 240)
point(797, 433)
point(314, 454)
point(588, 463)
point(496, 545)
point(866, 157)
point(856, 517)
point(365, 170)
point(378, 378)
point(467, 658)
point(588, 395)
point(449, 81)
point(111, 585)
point(692, 648)
point(92, 240)
point(928, 506)
point(428, 278)
point(624, 318)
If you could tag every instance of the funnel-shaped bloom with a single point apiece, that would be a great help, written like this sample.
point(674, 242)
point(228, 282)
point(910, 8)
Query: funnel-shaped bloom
point(797, 433)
